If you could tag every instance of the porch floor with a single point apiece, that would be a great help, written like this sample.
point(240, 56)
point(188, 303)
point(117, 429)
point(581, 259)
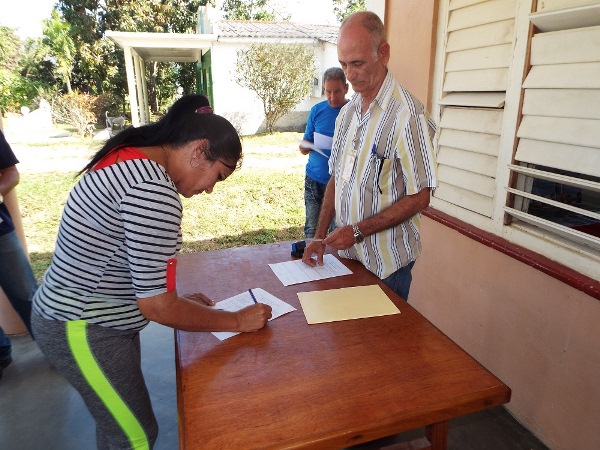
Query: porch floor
point(38, 409)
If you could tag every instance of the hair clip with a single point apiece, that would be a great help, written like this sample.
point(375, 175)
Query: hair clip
point(204, 110)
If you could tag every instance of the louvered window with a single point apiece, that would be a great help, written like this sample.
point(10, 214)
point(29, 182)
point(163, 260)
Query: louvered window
point(556, 169)
point(478, 53)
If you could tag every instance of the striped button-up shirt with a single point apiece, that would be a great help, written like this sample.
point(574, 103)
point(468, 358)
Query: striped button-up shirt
point(377, 159)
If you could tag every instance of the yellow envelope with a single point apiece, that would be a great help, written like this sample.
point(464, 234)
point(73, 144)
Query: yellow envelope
point(346, 303)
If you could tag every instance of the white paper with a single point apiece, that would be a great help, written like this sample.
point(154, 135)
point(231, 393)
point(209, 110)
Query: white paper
point(294, 272)
point(307, 144)
point(241, 301)
point(323, 142)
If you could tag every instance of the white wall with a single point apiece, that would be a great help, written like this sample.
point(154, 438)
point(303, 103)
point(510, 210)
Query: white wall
point(377, 6)
point(241, 106)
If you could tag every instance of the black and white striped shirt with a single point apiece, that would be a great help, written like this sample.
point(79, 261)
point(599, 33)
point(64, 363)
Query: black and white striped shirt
point(119, 227)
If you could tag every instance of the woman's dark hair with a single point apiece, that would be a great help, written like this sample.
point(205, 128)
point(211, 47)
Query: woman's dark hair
point(179, 126)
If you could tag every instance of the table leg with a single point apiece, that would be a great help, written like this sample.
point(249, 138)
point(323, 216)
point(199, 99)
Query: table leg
point(436, 438)
point(437, 435)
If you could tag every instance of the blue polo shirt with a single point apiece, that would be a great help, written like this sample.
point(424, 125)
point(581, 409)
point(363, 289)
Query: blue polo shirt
point(321, 119)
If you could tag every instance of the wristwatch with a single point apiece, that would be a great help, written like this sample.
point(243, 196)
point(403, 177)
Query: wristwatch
point(358, 236)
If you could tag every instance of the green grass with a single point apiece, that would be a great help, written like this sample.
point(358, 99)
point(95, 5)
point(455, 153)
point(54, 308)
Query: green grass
point(261, 203)
point(41, 199)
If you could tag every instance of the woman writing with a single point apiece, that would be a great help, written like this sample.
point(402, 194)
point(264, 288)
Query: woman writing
point(114, 265)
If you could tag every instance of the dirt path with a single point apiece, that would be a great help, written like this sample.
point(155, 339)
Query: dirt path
point(55, 153)
point(49, 151)
point(51, 159)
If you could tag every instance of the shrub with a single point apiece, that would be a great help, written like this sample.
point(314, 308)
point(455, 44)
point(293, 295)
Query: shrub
point(280, 75)
point(104, 103)
point(16, 91)
point(77, 110)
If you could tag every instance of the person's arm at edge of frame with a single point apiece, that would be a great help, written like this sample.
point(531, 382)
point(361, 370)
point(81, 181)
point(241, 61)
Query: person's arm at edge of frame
point(409, 205)
point(9, 178)
point(327, 215)
point(187, 314)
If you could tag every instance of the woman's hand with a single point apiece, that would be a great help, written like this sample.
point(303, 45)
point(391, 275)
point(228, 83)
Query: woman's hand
point(200, 298)
point(253, 318)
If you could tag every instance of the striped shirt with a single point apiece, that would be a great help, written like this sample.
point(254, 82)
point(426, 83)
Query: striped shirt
point(378, 159)
point(119, 227)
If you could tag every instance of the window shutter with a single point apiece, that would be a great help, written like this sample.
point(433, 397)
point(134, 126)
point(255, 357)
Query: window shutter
point(478, 54)
point(557, 161)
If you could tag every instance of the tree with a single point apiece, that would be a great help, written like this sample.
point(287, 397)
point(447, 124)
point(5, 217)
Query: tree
point(59, 46)
point(281, 75)
point(9, 48)
point(343, 8)
point(247, 10)
point(17, 86)
point(99, 66)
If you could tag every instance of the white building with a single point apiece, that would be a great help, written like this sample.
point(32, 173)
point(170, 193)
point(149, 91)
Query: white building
point(215, 48)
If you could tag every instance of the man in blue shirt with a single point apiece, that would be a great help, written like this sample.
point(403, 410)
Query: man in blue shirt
point(319, 132)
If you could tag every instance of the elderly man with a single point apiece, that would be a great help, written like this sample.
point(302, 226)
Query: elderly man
point(382, 163)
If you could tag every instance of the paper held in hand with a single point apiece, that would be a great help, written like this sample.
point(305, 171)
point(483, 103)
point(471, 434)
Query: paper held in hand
point(307, 144)
point(321, 143)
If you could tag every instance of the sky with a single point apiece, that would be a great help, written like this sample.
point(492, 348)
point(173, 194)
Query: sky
point(307, 11)
point(27, 15)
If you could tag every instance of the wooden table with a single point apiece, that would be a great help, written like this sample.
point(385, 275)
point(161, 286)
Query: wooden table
point(323, 386)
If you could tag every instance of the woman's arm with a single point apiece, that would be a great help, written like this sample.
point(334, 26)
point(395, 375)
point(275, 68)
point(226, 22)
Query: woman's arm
point(188, 314)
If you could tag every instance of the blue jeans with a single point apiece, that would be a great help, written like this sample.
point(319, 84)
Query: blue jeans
point(400, 280)
point(313, 199)
point(18, 283)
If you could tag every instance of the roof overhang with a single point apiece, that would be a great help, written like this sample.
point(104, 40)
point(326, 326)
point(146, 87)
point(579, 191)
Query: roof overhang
point(171, 47)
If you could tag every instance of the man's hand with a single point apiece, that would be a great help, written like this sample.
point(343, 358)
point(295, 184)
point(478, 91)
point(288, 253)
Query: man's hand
point(341, 238)
point(304, 150)
point(317, 247)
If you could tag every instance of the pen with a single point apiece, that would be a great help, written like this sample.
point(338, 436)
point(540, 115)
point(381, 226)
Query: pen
point(252, 295)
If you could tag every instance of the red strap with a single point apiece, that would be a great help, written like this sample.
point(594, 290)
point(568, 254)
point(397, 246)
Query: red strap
point(121, 154)
point(171, 274)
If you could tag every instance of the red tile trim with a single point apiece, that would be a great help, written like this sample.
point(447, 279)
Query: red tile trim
point(569, 276)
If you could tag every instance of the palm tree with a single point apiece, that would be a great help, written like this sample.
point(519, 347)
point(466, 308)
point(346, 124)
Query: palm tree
point(59, 46)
